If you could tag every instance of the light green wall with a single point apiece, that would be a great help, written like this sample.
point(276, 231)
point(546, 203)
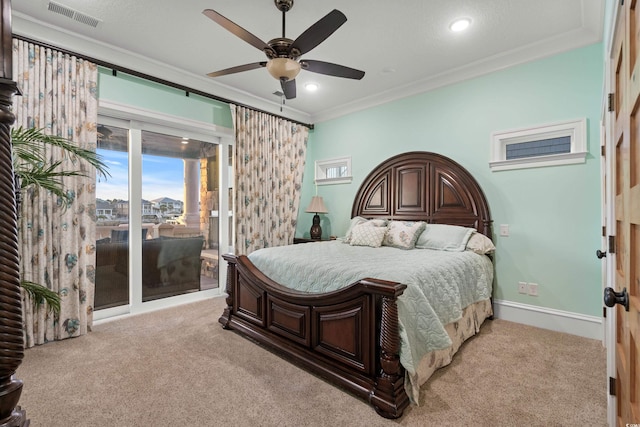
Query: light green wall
point(131, 90)
point(553, 212)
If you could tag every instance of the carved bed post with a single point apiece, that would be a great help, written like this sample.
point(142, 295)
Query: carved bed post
point(389, 397)
point(11, 340)
point(232, 276)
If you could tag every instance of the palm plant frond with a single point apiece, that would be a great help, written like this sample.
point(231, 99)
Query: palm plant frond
point(33, 168)
point(41, 295)
point(47, 178)
point(28, 145)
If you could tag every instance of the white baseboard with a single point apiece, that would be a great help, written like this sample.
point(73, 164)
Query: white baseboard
point(549, 318)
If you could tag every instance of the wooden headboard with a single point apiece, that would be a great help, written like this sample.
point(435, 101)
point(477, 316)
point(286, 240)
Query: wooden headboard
point(423, 186)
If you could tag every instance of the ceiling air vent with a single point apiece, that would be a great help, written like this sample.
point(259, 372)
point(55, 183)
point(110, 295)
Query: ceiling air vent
point(73, 14)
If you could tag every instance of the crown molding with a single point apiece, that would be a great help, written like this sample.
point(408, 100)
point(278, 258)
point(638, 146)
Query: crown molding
point(589, 33)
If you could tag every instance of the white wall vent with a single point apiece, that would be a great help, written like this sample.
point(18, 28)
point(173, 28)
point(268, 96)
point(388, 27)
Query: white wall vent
point(73, 14)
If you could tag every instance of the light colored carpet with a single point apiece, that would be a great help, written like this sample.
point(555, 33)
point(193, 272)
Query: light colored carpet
point(179, 367)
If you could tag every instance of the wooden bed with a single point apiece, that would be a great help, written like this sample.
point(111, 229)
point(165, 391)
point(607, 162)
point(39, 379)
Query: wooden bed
point(350, 337)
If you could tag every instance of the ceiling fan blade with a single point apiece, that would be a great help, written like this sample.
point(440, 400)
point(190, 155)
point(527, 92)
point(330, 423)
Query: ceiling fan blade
point(289, 88)
point(318, 32)
point(236, 29)
point(238, 69)
point(330, 69)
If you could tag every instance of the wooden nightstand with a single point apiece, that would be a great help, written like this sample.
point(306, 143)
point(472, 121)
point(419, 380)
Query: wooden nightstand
point(297, 240)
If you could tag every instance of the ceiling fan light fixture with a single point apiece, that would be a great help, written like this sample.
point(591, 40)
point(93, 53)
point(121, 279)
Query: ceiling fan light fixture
point(460, 24)
point(283, 68)
point(283, 53)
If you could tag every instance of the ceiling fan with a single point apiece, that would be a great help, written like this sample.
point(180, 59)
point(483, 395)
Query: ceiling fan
point(283, 54)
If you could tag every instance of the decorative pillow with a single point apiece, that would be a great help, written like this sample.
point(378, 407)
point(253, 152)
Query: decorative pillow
point(358, 220)
point(444, 237)
point(367, 235)
point(480, 244)
point(403, 234)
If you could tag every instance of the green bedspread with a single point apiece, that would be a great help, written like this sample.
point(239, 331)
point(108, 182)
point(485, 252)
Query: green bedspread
point(440, 284)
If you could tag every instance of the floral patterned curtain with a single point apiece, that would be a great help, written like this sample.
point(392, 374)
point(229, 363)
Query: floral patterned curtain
point(59, 94)
point(269, 161)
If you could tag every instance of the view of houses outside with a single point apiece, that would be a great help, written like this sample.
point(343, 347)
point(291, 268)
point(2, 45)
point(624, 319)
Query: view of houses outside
point(163, 209)
point(163, 179)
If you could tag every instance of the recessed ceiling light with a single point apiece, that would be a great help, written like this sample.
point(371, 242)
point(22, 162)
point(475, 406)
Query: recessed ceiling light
point(185, 140)
point(311, 87)
point(460, 24)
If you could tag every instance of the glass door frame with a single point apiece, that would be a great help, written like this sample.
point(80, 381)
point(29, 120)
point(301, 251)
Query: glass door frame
point(137, 120)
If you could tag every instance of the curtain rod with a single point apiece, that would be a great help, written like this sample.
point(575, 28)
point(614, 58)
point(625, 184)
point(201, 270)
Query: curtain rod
point(158, 80)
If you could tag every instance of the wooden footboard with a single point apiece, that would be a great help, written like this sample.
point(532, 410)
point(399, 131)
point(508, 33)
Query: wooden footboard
point(349, 337)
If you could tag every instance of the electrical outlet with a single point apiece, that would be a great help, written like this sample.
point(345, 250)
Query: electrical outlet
point(533, 289)
point(504, 230)
point(522, 288)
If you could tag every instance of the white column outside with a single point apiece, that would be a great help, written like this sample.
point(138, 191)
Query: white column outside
point(191, 215)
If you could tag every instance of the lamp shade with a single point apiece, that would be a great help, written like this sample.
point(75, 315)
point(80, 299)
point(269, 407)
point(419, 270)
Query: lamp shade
point(283, 68)
point(317, 205)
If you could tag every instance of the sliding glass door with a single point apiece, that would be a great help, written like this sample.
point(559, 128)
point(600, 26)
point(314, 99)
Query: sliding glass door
point(155, 236)
point(112, 216)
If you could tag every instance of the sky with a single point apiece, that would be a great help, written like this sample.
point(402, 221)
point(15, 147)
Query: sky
point(161, 177)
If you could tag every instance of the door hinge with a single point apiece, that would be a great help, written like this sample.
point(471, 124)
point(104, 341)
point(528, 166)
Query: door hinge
point(612, 244)
point(610, 103)
point(602, 151)
point(612, 386)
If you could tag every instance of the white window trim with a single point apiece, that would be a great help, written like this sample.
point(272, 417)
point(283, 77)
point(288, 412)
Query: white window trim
point(323, 165)
point(575, 129)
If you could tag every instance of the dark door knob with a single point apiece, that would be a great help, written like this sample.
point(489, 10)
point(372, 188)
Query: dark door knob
point(600, 254)
point(612, 298)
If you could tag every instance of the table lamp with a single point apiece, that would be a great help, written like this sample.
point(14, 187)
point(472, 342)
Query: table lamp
point(316, 206)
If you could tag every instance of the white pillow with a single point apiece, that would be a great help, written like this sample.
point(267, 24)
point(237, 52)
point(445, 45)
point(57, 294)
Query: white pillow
point(480, 244)
point(366, 235)
point(445, 237)
point(358, 220)
point(403, 234)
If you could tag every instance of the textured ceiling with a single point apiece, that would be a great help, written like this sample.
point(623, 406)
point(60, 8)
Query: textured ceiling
point(404, 46)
